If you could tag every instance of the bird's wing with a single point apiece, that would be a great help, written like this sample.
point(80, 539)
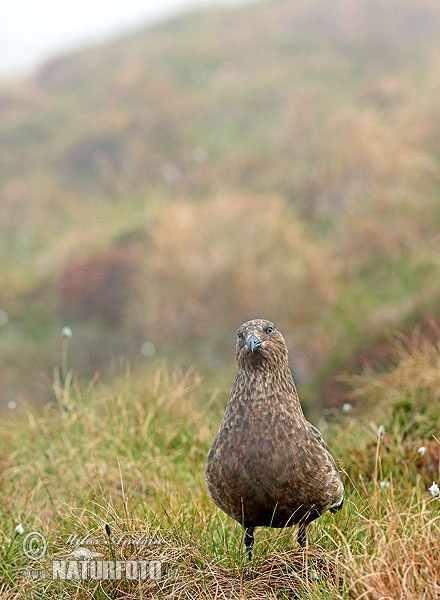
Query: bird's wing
point(335, 477)
point(317, 436)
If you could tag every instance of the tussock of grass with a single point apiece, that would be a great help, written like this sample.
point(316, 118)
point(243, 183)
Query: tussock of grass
point(126, 462)
point(414, 382)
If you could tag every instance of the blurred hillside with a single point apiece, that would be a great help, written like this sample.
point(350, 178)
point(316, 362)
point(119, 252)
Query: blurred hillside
point(279, 159)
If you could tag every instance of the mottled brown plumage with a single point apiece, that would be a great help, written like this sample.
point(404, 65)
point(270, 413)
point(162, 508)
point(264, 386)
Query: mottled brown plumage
point(268, 466)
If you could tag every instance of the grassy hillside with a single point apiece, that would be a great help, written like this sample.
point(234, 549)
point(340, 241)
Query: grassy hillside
point(116, 121)
point(278, 159)
point(119, 469)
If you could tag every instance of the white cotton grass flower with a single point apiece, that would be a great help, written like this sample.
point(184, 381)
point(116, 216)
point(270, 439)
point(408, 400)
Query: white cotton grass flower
point(19, 529)
point(148, 349)
point(171, 174)
point(384, 485)
point(66, 332)
point(381, 430)
point(200, 154)
point(421, 451)
point(346, 408)
point(435, 490)
point(12, 405)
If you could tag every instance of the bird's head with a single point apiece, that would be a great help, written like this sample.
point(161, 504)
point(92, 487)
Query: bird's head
point(260, 345)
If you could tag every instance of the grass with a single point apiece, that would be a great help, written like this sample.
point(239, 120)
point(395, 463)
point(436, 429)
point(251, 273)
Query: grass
point(108, 463)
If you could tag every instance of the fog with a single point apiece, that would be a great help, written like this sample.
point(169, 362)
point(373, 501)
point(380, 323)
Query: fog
point(31, 32)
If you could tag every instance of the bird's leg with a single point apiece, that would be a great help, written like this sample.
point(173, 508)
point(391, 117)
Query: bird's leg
point(302, 534)
point(249, 541)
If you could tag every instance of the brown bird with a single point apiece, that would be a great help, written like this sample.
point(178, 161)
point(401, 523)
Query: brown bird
point(268, 466)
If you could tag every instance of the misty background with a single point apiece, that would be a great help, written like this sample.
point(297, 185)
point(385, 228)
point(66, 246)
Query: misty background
point(174, 177)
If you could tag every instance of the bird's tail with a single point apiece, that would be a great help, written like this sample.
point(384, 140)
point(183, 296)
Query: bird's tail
point(335, 507)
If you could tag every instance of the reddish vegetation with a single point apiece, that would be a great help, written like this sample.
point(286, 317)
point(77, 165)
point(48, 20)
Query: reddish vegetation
point(429, 464)
point(99, 286)
point(404, 456)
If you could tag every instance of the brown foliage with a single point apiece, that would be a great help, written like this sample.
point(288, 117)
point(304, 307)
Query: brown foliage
point(99, 286)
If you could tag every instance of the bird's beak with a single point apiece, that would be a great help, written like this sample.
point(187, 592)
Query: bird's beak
point(253, 343)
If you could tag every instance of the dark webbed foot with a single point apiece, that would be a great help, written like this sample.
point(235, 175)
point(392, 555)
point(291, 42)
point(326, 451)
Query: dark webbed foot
point(302, 535)
point(249, 541)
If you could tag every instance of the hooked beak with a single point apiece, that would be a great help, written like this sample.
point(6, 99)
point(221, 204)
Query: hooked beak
point(253, 343)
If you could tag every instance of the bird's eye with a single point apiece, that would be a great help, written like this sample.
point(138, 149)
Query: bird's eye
point(269, 329)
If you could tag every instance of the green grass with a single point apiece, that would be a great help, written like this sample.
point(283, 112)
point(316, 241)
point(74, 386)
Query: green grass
point(130, 457)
